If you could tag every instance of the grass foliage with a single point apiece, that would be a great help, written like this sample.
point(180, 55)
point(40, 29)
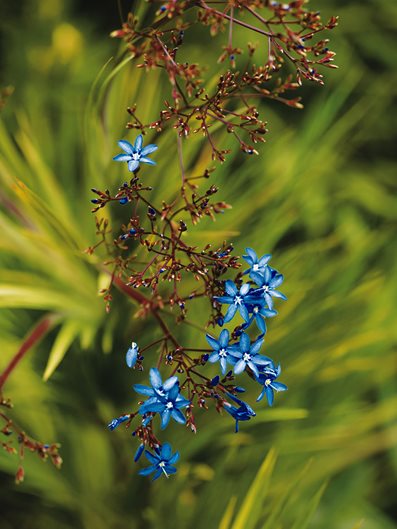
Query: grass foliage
point(321, 198)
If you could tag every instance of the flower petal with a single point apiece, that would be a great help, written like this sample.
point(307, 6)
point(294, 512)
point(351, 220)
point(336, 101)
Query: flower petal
point(224, 338)
point(231, 311)
point(126, 146)
point(276, 280)
point(212, 341)
point(138, 143)
point(143, 159)
point(178, 416)
point(170, 383)
point(269, 395)
point(230, 288)
point(245, 343)
point(133, 165)
point(143, 390)
point(278, 386)
point(146, 471)
point(166, 451)
point(122, 158)
point(174, 459)
point(239, 367)
point(214, 357)
point(155, 378)
point(165, 418)
point(149, 149)
point(244, 312)
point(264, 259)
point(252, 254)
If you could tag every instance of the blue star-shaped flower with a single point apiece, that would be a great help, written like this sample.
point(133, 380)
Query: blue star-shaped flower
point(237, 299)
point(132, 355)
point(268, 380)
point(161, 462)
point(243, 413)
point(258, 313)
point(135, 154)
point(221, 352)
point(257, 265)
point(246, 354)
point(164, 398)
point(268, 282)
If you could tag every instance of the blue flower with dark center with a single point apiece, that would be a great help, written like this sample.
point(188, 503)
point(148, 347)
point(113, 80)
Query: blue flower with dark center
point(257, 265)
point(237, 299)
point(243, 413)
point(132, 355)
point(246, 355)
point(161, 462)
point(220, 348)
point(270, 385)
point(259, 313)
point(135, 155)
point(164, 398)
point(268, 282)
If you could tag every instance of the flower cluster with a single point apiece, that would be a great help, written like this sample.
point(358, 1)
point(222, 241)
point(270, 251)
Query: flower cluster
point(149, 257)
point(252, 303)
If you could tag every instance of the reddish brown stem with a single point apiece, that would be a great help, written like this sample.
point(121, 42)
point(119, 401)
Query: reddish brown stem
point(35, 336)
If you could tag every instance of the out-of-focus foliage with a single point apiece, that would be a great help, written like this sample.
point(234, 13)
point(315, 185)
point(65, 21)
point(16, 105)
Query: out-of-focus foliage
point(321, 197)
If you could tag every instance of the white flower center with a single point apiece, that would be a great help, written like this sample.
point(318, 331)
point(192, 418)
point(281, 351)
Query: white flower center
point(265, 288)
point(237, 300)
point(268, 382)
point(169, 405)
point(161, 392)
point(223, 353)
point(256, 310)
point(136, 156)
point(246, 357)
point(162, 464)
point(255, 268)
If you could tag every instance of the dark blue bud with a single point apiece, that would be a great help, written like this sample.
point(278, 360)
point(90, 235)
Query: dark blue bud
point(239, 389)
point(123, 237)
point(116, 422)
point(132, 231)
point(163, 8)
point(151, 211)
point(214, 381)
point(123, 200)
point(139, 452)
point(220, 322)
point(95, 201)
point(205, 357)
point(229, 373)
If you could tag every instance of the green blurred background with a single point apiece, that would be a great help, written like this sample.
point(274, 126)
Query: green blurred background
point(321, 198)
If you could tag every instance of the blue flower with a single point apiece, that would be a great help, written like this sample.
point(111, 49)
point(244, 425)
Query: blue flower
point(237, 299)
point(221, 350)
point(259, 313)
point(268, 282)
point(164, 398)
point(243, 413)
point(257, 265)
point(132, 355)
point(268, 380)
point(162, 462)
point(116, 422)
point(135, 154)
point(246, 355)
